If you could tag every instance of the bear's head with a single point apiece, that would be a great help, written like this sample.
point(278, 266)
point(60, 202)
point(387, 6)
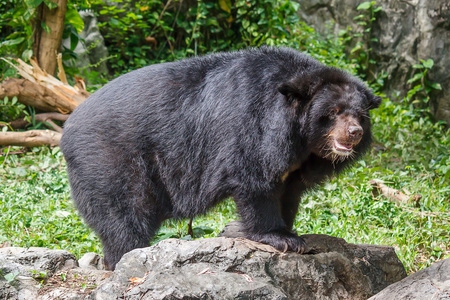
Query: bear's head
point(333, 110)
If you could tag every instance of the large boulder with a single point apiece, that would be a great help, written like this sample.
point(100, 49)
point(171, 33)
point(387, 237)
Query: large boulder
point(224, 268)
point(215, 268)
point(23, 270)
point(430, 283)
point(44, 274)
point(92, 52)
point(407, 31)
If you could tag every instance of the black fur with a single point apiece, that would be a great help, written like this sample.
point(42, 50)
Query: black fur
point(174, 139)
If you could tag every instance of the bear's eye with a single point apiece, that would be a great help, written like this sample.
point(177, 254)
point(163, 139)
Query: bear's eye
point(334, 112)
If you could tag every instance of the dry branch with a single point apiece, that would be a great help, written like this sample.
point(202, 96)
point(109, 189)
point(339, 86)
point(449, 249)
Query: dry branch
point(41, 90)
point(33, 94)
point(379, 187)
point(61, 72)
point(31, 138)
point(46, 93)
point(46, 118)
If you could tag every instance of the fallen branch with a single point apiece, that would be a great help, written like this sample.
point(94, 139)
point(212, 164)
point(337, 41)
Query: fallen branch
point(41, 90)
point(392, 194)
point(46, 93)
point(31, 138)
point(33, 94)
point(46, 118)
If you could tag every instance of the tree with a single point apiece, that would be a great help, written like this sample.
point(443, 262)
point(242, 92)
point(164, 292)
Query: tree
point(48, 32)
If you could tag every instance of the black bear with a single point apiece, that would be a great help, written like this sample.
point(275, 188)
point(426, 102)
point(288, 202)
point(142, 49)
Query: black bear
point(171, 140)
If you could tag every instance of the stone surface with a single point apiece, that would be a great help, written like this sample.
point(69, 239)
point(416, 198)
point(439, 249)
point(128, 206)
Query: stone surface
point(407, 31)
point(430, 283)
point(215, 268)
point(92, 260)
point(224, 268)
point(22, 270)
point(92, 53)
point(44, 274)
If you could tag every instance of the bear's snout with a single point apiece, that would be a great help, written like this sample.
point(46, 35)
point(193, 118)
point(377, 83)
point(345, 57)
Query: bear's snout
point(355, 133)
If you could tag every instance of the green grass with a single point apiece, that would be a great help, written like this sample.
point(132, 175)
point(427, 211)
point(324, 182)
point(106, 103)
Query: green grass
point(35, 206)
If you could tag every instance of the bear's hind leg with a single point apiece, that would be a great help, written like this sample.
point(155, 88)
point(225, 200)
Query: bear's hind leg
point(125, 236)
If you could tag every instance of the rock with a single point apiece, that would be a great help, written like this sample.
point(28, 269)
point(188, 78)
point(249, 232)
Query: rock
point(92, 260)
point(92, 53)
point(22, 270)
point(224, 268)
point(407, 31)
point(72, 284)
point(44, 274)
point(430, 283)
point(214, 268)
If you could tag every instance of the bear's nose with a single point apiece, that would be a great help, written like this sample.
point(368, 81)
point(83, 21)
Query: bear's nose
point(355, 132)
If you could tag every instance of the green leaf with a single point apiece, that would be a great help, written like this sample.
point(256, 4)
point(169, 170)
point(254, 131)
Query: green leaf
point(33, 3)
point(416, 77)
point(364, 5)
point(225, 5)
point(10, 276)
point(50, 4)
point(377, 9)
point(132, 15)
point(27, 54)
point(436, 86)
point(73, 41)
point(356, 48)
point(245, 24)
point(13, 42)
point(114, 21)
point(45, 27)
point(428, 64)
point(73, 17)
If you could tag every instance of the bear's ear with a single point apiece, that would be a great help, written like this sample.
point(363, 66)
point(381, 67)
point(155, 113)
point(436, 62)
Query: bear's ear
point(300, 89)
point(303, 87)
point(374, 100)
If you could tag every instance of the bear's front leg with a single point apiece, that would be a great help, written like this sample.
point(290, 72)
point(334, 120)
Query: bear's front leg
point(262, 222)
point(290, 200)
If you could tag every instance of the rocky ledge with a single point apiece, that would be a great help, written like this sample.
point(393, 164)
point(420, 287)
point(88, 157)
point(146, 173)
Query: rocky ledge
point(214, 268)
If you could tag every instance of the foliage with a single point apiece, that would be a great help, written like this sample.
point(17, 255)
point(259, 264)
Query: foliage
point(18, 23)
point(142, 33)
point(420, 86)
point(10, 110)
point(359, 40)
point(146, 32)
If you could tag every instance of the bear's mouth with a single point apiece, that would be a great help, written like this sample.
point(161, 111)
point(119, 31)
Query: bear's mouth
point(342, 148)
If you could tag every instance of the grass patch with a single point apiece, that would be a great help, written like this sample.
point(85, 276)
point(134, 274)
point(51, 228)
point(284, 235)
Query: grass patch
point(35, 205)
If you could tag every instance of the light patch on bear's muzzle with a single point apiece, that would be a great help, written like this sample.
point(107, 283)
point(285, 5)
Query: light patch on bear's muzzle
point(343, 149)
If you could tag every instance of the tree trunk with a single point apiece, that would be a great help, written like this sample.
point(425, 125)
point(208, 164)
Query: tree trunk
point(47, 45)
